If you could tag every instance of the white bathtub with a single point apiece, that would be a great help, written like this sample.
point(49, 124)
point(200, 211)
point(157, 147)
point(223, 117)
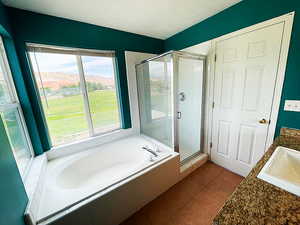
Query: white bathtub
point(72, 179)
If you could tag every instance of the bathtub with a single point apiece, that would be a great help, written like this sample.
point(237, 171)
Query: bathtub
point(73, 181)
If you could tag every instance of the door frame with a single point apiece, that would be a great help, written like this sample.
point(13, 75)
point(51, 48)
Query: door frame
point(287, 19)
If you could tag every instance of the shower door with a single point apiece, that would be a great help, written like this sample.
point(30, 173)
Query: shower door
point(189, 90)
point(155, 93)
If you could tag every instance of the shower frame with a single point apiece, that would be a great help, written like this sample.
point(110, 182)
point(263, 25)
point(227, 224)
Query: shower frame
point(174, 104)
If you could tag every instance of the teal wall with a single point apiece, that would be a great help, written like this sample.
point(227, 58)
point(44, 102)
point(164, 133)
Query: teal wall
point(6, 33)
point(243, 14)
point(4, 23)
point(25, 26)
point(37, 28)
point(13, 198)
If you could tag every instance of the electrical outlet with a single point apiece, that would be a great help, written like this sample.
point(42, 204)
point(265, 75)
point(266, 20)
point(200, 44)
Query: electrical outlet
point(292, 105)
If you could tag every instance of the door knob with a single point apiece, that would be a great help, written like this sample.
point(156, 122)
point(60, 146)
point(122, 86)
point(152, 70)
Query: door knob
point(263, 121)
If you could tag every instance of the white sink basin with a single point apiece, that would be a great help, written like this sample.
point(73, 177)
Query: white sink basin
point(283, 170)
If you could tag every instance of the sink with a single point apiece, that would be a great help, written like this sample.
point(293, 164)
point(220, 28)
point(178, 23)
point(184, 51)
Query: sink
point(283, 170)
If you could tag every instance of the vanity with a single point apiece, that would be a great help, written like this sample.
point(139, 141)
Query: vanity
point(258, 202)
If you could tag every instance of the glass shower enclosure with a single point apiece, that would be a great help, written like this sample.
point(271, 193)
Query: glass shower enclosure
point(170, 93)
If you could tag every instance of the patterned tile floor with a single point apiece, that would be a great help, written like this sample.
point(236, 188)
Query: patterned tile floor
point(194, 201)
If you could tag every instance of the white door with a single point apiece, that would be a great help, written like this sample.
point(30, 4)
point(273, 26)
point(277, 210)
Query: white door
point(245, 78)
point(190, 83)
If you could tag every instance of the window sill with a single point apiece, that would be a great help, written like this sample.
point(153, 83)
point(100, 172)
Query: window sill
point(88, 143)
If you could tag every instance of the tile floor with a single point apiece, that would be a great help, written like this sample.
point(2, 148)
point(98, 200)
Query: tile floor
point(194, 201)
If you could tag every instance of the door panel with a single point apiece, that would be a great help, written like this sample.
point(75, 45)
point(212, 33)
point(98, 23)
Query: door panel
point(223, 138)
point(252, 88)
point(245, 143)
point(227, 89)
point(245, 77)
point(190, 83)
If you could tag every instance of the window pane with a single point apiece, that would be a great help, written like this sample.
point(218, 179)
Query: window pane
point(100, 82)
point(11, 115)
point(154, 80)
point(4, 92)
point(16, 134)
point(59, 85)
point(160, 81)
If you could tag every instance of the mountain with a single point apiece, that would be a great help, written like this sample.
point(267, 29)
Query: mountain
point(55, 80)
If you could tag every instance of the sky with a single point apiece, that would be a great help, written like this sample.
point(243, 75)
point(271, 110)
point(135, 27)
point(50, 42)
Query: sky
point(93, 65)
point(63, 63)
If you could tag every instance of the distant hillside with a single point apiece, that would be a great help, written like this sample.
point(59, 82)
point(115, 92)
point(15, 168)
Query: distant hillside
point(55, 80)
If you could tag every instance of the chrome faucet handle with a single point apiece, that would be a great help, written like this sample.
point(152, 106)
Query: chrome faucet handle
point(152, 158)
point(150, 150)
point(156, 148)
point(145, 147)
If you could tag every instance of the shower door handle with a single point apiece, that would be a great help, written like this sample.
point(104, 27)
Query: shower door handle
point(178, 115)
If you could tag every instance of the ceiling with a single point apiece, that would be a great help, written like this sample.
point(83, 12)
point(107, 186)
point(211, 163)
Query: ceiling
point(154, 18)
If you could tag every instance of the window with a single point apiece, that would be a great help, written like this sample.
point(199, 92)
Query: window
point(77, 90)
point(12, 116)
point(160, 90)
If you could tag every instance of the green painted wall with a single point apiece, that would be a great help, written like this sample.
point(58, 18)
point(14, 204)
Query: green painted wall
point(22, 93)
point(37, 28)
point(13, 198)
point(6, 33)
point(243, 14)
point(25, 26)
point(4, 23)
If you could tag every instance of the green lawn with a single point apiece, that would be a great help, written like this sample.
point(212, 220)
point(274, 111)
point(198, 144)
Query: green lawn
point(66, 118)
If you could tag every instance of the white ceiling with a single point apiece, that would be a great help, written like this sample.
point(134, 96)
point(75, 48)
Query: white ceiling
point(154, 18)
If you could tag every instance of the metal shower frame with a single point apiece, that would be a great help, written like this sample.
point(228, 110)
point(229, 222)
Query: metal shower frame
point(175, 55)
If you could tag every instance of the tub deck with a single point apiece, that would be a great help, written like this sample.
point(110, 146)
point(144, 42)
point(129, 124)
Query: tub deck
point(72, 179)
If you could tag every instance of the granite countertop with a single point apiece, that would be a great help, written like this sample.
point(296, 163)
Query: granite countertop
point(256, 202)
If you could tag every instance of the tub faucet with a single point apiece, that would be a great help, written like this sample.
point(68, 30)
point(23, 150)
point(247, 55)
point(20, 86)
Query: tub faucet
point(150, 150)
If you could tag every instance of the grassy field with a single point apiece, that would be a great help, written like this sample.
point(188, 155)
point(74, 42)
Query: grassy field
point(66, 118)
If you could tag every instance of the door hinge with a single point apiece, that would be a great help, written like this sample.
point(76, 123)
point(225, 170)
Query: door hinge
point(213, 105)
point(210, 144)
point(215, 57)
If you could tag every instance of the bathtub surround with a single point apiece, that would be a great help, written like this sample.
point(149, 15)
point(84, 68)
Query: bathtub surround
point(69, 190)
point(34, 184)
point(269, 204)
point(69, 181)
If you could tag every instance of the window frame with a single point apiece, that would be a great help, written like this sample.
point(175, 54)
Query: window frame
point(16, 107)
point(78, 53)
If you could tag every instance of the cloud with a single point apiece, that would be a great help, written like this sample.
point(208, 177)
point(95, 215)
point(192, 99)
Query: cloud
point(98, 66)
point(63, 63)
point(49, 62)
